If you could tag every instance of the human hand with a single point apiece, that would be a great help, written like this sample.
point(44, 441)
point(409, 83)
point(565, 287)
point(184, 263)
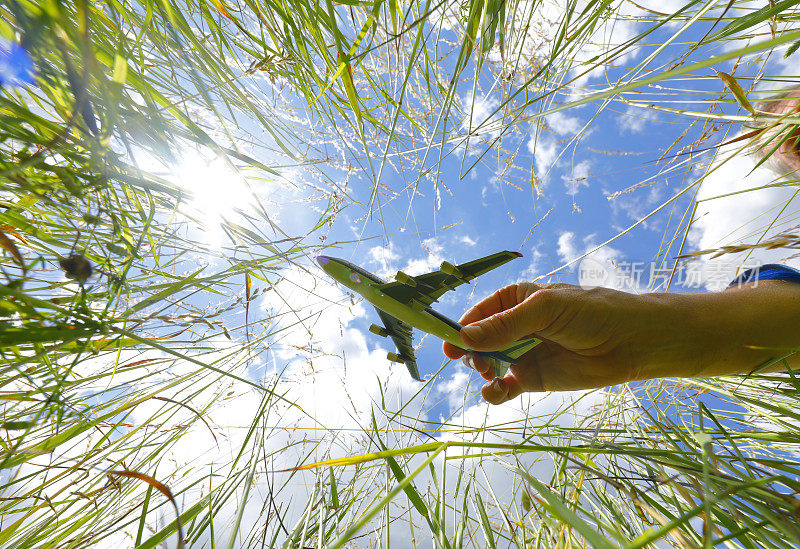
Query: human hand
point(590, 338)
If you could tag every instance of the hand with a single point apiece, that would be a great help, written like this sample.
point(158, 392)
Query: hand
point(600, 337)
point(589, 337)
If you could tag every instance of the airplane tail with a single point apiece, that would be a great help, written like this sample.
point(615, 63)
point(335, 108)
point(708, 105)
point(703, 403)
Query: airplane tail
point(502, 359)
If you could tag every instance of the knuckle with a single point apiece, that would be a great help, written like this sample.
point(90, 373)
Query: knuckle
point(544, 298)
point(507, 295)
point(498, 294)
point(510, 288)
point(504, 324)
point(546, 292)
point(525, 290)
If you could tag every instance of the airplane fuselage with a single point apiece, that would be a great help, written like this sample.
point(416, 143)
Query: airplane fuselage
point(364, 282)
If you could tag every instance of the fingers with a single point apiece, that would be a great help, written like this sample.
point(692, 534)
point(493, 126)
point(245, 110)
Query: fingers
point(452, 352)
point(478, 363)
point(533, 315)
point(502, 299)
point(499, 390)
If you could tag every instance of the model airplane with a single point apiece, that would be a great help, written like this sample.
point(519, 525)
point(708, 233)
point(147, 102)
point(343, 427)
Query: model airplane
point(405, 304)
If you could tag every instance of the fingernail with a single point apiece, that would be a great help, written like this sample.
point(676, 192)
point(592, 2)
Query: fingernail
point(474, 332)
point(496, 386)
point(467, 359)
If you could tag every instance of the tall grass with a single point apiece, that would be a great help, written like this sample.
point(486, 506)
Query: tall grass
point(130, 341)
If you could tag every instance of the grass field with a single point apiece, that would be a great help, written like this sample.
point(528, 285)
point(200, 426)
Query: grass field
point(176, 371)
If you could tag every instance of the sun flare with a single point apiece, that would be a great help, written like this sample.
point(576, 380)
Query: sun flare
point(217, 191)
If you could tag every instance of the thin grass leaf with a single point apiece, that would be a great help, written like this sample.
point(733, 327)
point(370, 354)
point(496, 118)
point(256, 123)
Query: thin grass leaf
point(9, 246)
point(161, 488)
point(752, 19)
point(486, 526)
point(565, 514)
point(140, 529)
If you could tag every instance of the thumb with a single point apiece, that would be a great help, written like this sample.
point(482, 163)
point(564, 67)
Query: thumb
point(532, 316)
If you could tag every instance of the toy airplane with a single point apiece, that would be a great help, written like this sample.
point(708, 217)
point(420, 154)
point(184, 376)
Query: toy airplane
point(405, 303)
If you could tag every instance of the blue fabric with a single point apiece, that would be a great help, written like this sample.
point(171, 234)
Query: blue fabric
point(770, 271)
point(16, 66)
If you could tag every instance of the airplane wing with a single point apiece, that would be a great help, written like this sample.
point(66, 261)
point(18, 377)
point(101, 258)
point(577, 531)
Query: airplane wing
point(423, 290)
point(400, 332)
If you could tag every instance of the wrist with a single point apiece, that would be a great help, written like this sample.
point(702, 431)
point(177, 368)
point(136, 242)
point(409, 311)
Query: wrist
point(683, 336)
point(723, 333)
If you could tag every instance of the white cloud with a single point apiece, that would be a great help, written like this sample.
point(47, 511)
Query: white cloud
point(430, 262)
point(307, 312)
point(570, 407)
point(547, 152)
point(383, 257)
point(635, 120)
point(618, 275)
point(534, 268)
point(569, 249)
point(480, 122)
point(566, 246)
point(456, 389)
point(334, 373)
point(536, 417)
point(533, 28)
point(580, 174)
point(479, 110)
point(562, 124)
point(337, 377)
point(544, 150)
point(467, 240)
point(735, 207)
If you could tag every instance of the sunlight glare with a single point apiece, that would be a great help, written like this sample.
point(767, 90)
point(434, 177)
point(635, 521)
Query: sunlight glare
point(217, 191)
